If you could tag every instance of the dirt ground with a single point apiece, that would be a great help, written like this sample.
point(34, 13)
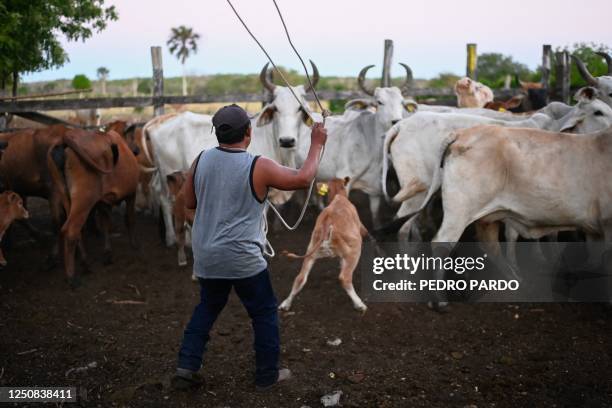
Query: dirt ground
point(396, 355)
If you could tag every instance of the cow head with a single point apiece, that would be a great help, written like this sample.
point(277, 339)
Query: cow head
point(175, 182)
point(465, 86)
point(603, 83)
point(388, 102)
point(472, 94)
point(590, 114)
point(285, 113)
point(12, 207)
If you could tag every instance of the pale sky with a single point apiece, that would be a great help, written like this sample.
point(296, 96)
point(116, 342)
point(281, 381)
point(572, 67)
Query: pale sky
point(340, 36)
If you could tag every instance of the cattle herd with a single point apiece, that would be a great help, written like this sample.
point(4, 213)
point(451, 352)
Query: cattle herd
point(535, 167)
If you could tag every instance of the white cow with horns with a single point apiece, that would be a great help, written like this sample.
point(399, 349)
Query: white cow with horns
point(354, 142)
point(177, 139)
point(603, 83)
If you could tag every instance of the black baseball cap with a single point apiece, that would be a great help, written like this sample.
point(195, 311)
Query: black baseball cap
point(228, 118)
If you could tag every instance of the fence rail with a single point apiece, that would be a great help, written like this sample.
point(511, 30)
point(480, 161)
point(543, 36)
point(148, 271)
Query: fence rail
point(144, 101)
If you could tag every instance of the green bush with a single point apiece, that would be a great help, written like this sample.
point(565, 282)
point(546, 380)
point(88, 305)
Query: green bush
point(81, 81)
point(145, 86)
point(337, 105)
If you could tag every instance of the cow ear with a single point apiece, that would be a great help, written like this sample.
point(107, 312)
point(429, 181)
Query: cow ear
point(514, 102)
point(571, 123)
point(306, 118)
point(13, 197)
point(359, 104)
point(410, 105)
point(266, 115)
point(174, 182)
point(586, 94)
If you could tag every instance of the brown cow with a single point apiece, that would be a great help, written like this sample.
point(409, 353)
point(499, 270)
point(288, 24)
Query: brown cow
point(24, 169)
point(11, 209)
point(99, 170)
point(338, 232)
point(135, 136)
point(181, 214)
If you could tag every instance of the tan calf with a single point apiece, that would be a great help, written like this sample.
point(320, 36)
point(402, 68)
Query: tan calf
point(182, 215)
point(11, 209)
point(338, 232)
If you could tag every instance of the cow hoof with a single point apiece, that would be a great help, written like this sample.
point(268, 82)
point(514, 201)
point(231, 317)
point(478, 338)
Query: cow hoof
point(440, 307)
point(361, 309)
point(75, 282)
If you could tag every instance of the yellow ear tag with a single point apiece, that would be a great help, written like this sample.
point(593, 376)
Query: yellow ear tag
point(323, 190)
point(502, 109)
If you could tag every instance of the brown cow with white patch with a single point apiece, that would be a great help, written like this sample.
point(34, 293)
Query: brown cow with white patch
point(97, 169)
point(472, 94)
point(182, 215)
point(11, 209)
point(338, 232)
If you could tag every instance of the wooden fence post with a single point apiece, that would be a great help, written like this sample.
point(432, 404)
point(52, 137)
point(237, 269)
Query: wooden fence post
point(386, 72)
point(158, 81)
point(562, 63)
point(471, 70)
point(546, 65)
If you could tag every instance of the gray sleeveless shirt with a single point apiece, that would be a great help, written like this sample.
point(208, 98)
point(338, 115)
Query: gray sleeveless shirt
point(227, 235)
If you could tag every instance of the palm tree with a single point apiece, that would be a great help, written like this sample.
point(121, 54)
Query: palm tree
point(182, 42)
point(102, 74)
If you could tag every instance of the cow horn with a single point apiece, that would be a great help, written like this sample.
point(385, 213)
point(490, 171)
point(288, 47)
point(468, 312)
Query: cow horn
point(408, 82)
point(584, 72)
point(315, 77)
point(361, 81)
point(608, 59)
point(263, 77)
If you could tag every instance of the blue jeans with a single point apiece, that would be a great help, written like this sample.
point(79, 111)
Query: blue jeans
point(258, 298)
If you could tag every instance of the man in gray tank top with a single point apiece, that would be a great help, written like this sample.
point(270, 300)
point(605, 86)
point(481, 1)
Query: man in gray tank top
point(227, 187)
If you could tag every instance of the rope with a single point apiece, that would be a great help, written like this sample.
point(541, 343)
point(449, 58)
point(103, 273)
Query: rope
point(307, 110)
point(268, 249)
point(323, 111)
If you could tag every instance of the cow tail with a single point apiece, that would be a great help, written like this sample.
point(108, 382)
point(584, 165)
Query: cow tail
point(88, 160)
point(325, 236)
point(436, 182)
point(145, 135)
point(56, 160)
point(389, 138)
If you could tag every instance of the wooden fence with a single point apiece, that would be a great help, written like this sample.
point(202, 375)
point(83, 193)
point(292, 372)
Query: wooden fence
point(32, 108)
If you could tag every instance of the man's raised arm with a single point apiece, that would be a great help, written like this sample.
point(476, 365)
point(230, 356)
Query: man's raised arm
point(268, 173)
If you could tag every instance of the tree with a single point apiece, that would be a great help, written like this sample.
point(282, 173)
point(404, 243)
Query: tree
point(493, 68)
point(586, 52)
point(102, 74)
point(182, 42)
point(81, 81)
point(30, 33)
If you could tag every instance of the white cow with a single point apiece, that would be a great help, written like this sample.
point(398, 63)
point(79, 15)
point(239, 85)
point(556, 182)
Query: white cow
point(177, 139)
point(472, 94)
point(413, 145)
point(354, 142)
point(603, 83)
